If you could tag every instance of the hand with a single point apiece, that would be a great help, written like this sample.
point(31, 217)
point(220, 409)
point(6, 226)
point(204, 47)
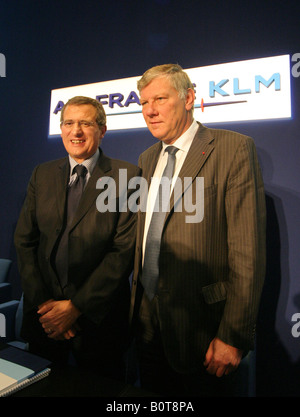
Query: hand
point(221, 359)
point(58, 318)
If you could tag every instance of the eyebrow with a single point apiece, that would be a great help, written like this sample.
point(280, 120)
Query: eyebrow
point(80, 121)
point(165, 94)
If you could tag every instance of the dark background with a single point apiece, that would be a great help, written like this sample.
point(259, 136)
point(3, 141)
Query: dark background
point(55, 44)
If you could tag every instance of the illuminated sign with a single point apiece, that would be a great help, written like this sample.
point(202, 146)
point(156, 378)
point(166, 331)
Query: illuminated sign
point(257, 89)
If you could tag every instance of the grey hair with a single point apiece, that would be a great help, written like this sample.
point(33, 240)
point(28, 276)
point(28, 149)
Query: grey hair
point(173, 72)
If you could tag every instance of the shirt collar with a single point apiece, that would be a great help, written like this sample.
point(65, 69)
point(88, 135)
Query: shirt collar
point(185, 140)
point(88, 163)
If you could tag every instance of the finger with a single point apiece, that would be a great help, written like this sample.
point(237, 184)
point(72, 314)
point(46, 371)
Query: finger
point(209, 355)
point(46, 323)
point(43, 320)
point(229, 369)
point(54, 334)
point(211, 368)
point(45, 308)
point(61, 336)
point(50, 332)
point(69, 334)
point(220, 371)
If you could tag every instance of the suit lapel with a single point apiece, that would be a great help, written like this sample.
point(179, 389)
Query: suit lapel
point(148, 165)
point(150, 162)
point(61, 186)
point(198, 154)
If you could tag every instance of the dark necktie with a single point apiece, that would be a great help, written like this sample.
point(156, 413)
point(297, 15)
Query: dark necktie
point(150, 271)
point(75, 191)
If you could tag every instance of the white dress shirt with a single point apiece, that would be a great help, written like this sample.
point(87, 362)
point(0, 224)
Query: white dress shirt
point(183, 143)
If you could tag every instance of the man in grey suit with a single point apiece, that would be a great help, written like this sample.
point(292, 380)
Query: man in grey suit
point(195, 327)
point(75, 270)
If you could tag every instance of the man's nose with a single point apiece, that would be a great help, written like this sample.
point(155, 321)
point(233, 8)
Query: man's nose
point(150, 109)
point(77, 129)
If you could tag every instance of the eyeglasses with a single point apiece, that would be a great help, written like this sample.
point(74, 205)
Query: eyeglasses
point(69, 124)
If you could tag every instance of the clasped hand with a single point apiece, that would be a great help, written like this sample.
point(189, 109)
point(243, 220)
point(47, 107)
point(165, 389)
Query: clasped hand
point(58, 319)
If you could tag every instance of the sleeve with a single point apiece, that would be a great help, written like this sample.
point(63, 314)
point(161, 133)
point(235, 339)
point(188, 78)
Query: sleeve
point(246, 218)
point(27, 241)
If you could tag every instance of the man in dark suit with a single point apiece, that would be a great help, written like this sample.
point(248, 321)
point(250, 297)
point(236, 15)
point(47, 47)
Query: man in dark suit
point(75, 270)
point(194, 328)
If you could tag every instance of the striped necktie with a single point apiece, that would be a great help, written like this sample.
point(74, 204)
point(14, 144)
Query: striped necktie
point(150, 271)
point(75, 191)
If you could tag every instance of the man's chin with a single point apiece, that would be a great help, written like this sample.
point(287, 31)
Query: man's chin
point(156, 135)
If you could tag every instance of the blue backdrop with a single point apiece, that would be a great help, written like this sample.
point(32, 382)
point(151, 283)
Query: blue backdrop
point(55, 44)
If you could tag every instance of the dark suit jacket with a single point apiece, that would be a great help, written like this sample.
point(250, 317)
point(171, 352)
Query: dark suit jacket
point(211, 272)
point(101, 245)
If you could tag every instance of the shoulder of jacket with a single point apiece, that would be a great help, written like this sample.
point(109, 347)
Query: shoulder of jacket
point(229, 135)
point(121, 163)
point(149, 152)
point(118, 164)
point(45, 167)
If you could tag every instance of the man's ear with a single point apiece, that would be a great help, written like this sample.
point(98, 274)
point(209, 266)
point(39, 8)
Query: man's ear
point(190, 99)
point(103, 130)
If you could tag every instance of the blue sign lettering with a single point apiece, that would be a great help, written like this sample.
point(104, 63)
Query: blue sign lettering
point(110, 99)
point(216, 88)
point(213, 87)
point(115, 98)
point(58, 107)
point(236, 89)
point(132, 98)
point(260, 80)
point(100, 99)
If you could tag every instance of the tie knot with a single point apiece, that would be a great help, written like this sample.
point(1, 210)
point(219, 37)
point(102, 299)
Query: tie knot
point(171, 150)
point(80, 170)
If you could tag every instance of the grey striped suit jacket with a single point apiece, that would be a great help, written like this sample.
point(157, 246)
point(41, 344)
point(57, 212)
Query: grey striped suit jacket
point(211, 272)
